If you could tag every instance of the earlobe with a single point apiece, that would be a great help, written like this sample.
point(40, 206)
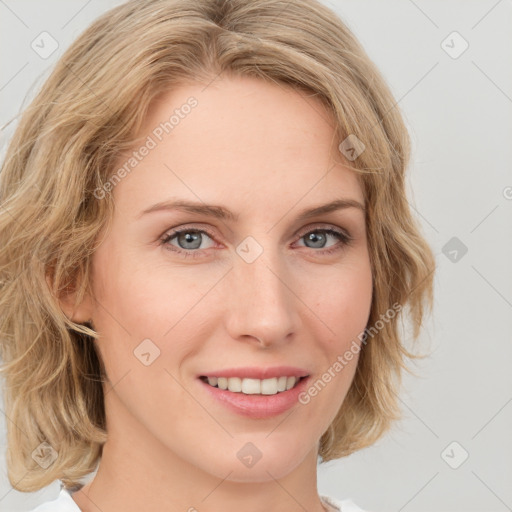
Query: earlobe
point(80, 313)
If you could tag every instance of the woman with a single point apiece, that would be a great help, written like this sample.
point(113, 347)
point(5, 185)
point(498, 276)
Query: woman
point(206, 250)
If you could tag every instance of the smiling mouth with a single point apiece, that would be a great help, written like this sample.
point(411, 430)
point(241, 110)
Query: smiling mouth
point(245, 386)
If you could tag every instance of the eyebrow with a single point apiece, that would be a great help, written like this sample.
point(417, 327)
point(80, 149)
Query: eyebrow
point(223, 213)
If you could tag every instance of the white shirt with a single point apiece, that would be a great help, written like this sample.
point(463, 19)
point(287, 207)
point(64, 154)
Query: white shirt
point(64, 503)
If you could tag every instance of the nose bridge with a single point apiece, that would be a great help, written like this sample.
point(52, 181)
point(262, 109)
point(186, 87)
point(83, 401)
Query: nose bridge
point(262, 304)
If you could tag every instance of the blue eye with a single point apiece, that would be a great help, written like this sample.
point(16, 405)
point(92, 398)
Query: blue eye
point(312, 236)
point(190, 240)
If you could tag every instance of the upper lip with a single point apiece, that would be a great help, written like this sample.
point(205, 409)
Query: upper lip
point(253, 372)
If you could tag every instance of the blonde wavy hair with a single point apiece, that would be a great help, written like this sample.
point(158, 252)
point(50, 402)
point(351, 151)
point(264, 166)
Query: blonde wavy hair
point(65, 146)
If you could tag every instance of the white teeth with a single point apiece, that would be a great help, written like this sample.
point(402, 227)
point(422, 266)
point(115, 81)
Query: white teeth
point(251, 386)
point(269, 386)
point(235, 384)
point(254, 386)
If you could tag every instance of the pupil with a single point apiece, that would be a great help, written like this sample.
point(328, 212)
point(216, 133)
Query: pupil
point(313, 237)
point(194, 239)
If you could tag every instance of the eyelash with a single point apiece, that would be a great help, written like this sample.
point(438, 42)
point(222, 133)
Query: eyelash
point(343, 237)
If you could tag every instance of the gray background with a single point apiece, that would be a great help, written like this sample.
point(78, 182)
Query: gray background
point(459, 112)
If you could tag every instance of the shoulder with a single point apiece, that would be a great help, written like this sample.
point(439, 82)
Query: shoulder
point(342, 505)
point(63, 503)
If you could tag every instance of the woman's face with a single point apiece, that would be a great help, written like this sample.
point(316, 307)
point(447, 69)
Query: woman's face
point(252, 282)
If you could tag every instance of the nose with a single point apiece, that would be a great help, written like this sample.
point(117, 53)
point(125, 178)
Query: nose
point(262, 305)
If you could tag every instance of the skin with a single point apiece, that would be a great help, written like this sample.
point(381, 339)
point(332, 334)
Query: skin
point(265, 152)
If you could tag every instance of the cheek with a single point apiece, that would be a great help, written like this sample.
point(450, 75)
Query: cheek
point(354, 293)
point(341, 297)
point(137, 302)
point(142, 322)
point(138, 298)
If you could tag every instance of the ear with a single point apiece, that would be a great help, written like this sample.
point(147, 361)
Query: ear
point(78, 313)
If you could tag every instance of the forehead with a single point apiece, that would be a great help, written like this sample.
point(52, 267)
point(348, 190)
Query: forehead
point(239, 140)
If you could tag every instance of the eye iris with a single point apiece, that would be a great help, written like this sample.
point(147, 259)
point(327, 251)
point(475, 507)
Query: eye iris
point(190, 237)
point(189, 240)
point(315, 238)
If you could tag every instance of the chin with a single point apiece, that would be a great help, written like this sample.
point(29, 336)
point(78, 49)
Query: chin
point(260, 461)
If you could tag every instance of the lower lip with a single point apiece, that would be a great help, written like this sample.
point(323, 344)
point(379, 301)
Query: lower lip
point(257, 406)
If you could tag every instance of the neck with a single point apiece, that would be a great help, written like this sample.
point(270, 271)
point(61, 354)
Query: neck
point(137, 472)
